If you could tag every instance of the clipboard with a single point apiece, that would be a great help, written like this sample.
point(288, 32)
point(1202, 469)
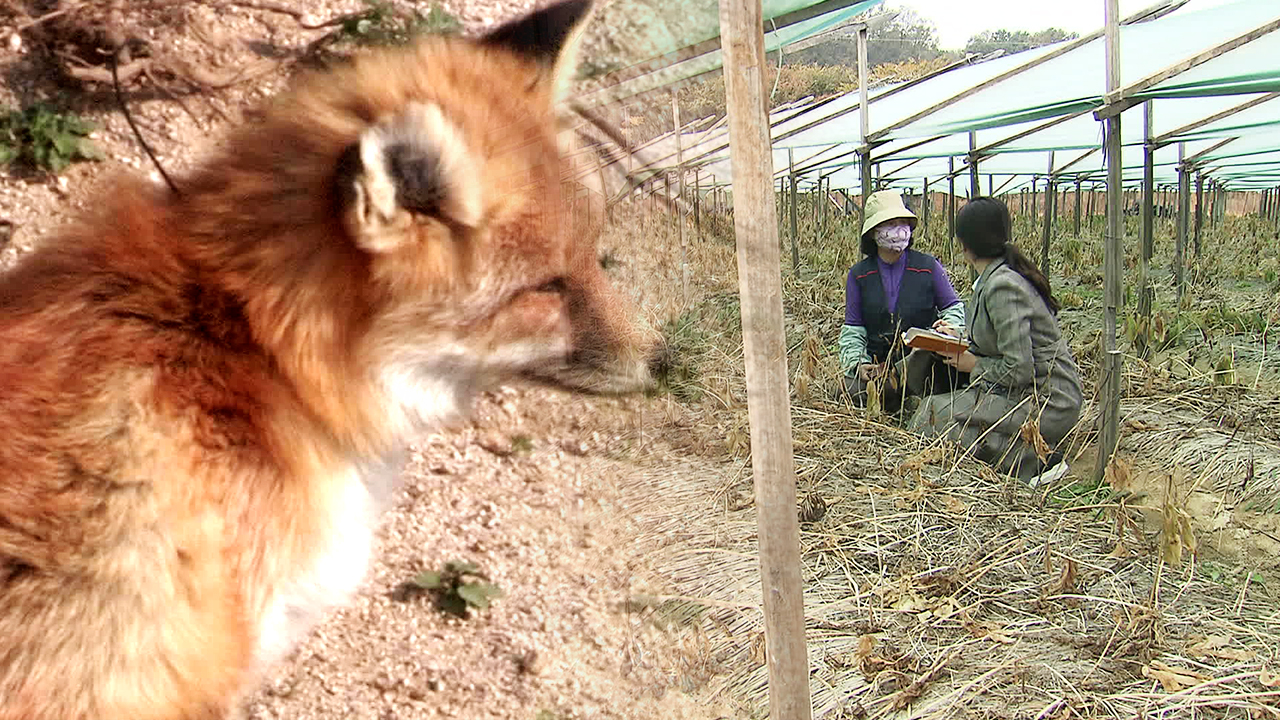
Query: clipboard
point(922, 339)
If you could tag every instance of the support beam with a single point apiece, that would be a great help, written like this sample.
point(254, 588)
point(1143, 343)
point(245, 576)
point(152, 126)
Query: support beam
point(1165, 138)
point(1121, 99)
point(894, 175)
point(1113, 257)
point(1211, 149)
point(765, 350)
point(986, 149)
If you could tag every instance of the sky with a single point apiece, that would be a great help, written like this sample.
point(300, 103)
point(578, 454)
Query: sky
point(958, 20)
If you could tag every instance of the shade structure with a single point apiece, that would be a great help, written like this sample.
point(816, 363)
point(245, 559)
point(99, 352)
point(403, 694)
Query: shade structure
point(1211, 75)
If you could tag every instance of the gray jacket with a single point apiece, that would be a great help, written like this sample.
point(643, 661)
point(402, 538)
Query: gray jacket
point(1021, 350)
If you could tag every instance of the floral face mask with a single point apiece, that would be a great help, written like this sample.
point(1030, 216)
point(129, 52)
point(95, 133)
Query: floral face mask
point(893, 237)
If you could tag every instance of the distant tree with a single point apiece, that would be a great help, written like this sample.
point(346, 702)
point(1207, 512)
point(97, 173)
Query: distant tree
point(908, 37)
point(1014, 41)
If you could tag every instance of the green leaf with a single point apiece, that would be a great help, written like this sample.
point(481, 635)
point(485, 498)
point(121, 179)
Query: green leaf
point(89, 150)
point(429, 580)
point(479, 594)
point(65, 144)
point(462, 567)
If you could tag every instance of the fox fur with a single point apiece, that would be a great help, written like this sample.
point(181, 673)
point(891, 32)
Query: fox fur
point(207, 392)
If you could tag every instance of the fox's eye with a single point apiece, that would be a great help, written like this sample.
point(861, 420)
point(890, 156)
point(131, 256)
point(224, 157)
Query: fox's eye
point(555, 285)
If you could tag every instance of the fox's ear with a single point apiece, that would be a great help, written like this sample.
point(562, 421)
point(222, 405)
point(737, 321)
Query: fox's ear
point(415, 164)
point(549, 37)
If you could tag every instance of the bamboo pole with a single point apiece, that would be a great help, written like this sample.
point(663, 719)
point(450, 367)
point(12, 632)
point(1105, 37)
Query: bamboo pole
point(764, 344)
point(1113, 257)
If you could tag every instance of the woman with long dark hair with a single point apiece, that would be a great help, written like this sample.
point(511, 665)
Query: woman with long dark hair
point(894, 289)
point(1021, 369)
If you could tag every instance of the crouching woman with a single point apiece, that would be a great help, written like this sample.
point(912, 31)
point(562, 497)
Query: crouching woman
point(1020, 365)
point(894, 289)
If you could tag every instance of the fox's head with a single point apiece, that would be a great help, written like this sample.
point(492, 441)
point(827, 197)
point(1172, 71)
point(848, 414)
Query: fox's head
point(419, 201)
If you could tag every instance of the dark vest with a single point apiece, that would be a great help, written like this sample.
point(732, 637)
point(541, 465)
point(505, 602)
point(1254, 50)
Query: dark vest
point(917, 305)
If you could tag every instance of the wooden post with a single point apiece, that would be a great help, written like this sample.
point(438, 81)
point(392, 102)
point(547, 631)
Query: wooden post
point(1035, 201)
point(824, 192)
point(666, 189)
point(1050, 194)
point(1184, 211)
point(924, 208)
point(1146, 293)
point(975, 185)
point(951, 198)
point(813, 202)
point(1113, 257)
point(1077, 215)
point(678, 205)
point(1199, 211)
point(795, 199)
point(764, 343)
point(864, 121)
point(697, 202)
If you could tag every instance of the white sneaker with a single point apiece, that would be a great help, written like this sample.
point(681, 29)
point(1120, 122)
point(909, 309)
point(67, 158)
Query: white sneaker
point(1050, 475)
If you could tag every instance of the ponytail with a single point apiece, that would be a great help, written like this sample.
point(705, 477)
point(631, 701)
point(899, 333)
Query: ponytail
point(1023, 265)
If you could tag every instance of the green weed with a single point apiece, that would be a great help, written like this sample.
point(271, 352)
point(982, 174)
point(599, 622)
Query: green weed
point(382, 23)
point(43, 138)
point(458, 587)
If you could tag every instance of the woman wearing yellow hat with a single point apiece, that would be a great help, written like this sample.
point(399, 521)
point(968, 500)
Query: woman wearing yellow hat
point(892, 290)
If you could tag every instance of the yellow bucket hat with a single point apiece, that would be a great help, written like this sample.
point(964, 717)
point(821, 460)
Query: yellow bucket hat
point(885, 205)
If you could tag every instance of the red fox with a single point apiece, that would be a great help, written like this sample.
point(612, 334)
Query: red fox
point(206, 391)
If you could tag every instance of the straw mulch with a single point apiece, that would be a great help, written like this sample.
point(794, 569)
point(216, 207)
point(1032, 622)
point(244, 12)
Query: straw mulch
point(937, 589)
point(1225, 439)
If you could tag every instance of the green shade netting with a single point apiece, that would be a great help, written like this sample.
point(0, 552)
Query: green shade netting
point(714, 60)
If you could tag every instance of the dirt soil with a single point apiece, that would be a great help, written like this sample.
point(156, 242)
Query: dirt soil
point(531, 493)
